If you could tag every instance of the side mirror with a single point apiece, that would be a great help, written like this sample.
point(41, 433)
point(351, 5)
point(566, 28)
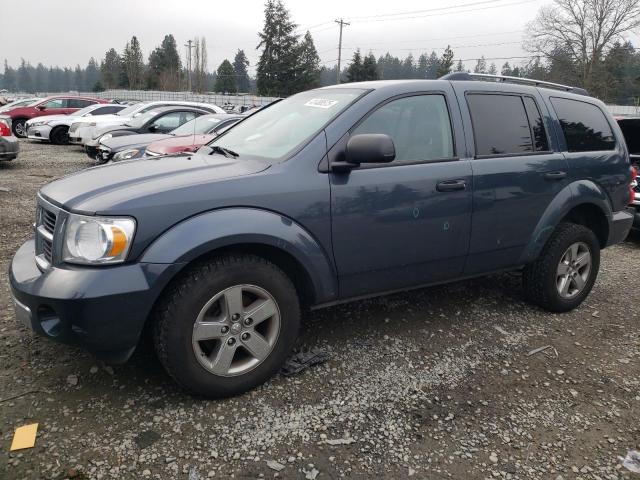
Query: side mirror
point(153, 128)
point(366, 148)
point(41, 107)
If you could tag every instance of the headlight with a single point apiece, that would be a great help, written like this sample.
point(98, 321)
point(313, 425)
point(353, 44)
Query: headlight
point(126, 154)
point(105, 137)
point(37, 124)
point(97, 240)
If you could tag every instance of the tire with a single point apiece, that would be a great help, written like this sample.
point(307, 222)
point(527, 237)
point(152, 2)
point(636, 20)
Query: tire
point(193, 362)
point(545, 282)
point(59, 135)
point(19, 127)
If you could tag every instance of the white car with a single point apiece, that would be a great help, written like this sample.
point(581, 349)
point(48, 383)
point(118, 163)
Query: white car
point(82, 130)
point(55, 128)
point(23, 102)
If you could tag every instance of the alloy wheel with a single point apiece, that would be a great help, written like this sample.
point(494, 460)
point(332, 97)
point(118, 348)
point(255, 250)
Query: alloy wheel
point(236, 330)
point(573, 270)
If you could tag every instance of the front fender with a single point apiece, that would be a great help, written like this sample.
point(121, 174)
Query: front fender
point(226, 227)
point(577, 193)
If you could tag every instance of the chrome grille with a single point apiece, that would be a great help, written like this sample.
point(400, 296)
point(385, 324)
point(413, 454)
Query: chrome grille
point(46, 219)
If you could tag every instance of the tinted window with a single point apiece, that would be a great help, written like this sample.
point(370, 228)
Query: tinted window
point(500, 124)
point(540, 142)
point(173, 120)
point(419, 127)
point(79, 103)
point(107, 110)
point(584, 126)
point(631, 130)
point(55, 103)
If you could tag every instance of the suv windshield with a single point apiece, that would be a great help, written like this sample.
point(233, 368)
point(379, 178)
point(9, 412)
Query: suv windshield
point(198, 126)
point(280, 129)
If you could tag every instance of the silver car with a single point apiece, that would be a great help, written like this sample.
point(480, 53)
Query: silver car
point(55, 128)
point(9, 145)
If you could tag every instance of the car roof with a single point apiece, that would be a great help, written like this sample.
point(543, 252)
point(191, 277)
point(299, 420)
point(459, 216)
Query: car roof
point(177, 108)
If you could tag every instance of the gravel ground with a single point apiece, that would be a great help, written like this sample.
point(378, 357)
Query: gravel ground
point(435, 383)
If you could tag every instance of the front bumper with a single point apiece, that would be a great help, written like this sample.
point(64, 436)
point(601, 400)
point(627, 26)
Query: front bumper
point(9, 148)
point(102, 309)
point(79, 135)
point(41, 132)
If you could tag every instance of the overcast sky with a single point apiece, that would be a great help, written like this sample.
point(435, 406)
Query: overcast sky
point(67, 32)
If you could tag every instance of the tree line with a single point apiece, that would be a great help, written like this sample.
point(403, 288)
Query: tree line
point(574, 42)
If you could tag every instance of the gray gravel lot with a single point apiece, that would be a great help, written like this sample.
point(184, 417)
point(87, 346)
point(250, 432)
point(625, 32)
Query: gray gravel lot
point(435, 383)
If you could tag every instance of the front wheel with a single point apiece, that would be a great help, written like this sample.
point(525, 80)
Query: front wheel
point(227, 325)
point(59, 136)
point(564, 273)
point(19, 128)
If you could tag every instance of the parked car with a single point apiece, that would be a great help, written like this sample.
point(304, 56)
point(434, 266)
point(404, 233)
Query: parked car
point(9, 144)
point(23, 102)
point(328, 195)
point(159, 120)
point(55, 128)
point(630, 127)
point(82, 132)
point(187, 138)
point(57, 105)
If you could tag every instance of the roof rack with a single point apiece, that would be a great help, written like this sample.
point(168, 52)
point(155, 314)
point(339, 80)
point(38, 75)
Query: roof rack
point(508, 79)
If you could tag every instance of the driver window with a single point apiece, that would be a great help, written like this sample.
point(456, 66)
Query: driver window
point(419, 127)
point(55, 103)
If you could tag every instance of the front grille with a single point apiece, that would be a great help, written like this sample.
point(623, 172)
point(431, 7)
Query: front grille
point(46, 219)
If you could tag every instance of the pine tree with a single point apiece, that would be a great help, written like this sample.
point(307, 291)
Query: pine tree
point(309, 75)
point(133, 63)
point(433, 63)
point(493, 70)
point(240, 64)
point(481, 66)
point(78, 78)
point(459, 66)
point(278, 65)
point(165, 67)
point(91, 75)
point(226, 78)
point(24, 79)
point(369, 67)
point(111, 69)
point(506, 70)
point(422, 66)
point(354, 72)
point(408, 67)
point(446, 62)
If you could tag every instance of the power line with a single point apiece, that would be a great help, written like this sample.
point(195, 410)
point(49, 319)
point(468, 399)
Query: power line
point(451, 7)
point(439, 48)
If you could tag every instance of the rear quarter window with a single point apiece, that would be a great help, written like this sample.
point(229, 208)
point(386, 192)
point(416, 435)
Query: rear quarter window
point(584, 125)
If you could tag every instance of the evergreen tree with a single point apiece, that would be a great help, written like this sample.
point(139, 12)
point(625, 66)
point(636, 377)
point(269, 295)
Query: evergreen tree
point(133, 63)
point(433, 63)
point(240, 64)
point(369, 68)
point(25, 82)
point(278, 65)
point(408, 67)
point(481, 66)
point(91, 75)
point(422, 66)
point(309, 76)
point(111, 69)
point(446, 62)
point(226, 78)
point(78, 78)
point(459, 66)
point(493, 70)
point(354, 72)
point(506, 69)
point(165, 67)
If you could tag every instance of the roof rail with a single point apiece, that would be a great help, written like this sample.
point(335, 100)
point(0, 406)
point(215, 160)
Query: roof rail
point(508, 79)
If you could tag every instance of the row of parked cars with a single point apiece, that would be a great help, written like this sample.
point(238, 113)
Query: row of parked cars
point(111, 131)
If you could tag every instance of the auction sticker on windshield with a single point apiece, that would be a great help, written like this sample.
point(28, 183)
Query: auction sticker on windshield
point(321, 103)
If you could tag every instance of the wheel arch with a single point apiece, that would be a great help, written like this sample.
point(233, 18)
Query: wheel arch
point(263, 233)
point(582, 202)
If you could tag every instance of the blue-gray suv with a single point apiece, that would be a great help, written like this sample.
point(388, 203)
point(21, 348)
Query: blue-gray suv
point(329, 195)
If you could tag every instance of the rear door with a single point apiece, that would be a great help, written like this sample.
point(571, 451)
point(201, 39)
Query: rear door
point(516, 173)
point(405, 223)
point(170, 121)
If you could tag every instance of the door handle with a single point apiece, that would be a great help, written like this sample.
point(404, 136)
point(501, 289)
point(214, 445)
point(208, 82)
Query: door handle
point(451, 185)
point(559, 175)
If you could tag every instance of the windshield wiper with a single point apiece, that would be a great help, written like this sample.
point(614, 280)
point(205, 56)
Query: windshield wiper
point(223, 151)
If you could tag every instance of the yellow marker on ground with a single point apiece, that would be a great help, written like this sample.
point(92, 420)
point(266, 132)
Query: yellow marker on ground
point(24, 437)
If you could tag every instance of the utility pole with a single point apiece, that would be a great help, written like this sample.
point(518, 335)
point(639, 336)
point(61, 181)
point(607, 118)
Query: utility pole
point(189, 47)
point(342, 23)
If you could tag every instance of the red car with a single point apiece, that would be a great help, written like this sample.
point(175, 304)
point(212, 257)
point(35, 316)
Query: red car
point(57, 105)
point(192, 135)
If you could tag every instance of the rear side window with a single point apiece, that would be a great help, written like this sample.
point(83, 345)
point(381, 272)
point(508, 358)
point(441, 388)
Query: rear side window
point(501, 125)
point(584, 126)
point(419, 127)
point(540, 142)
point(107, 110)
point(79, 103)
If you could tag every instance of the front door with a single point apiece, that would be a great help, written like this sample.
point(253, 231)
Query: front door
point(405, 223)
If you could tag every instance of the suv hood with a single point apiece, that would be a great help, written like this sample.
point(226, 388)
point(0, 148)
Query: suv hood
point(124, 188)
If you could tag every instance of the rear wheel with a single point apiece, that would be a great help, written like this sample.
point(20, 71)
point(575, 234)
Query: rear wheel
point(564, 273)
point(227, 325)
point(19, 127)
point(59, 135)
